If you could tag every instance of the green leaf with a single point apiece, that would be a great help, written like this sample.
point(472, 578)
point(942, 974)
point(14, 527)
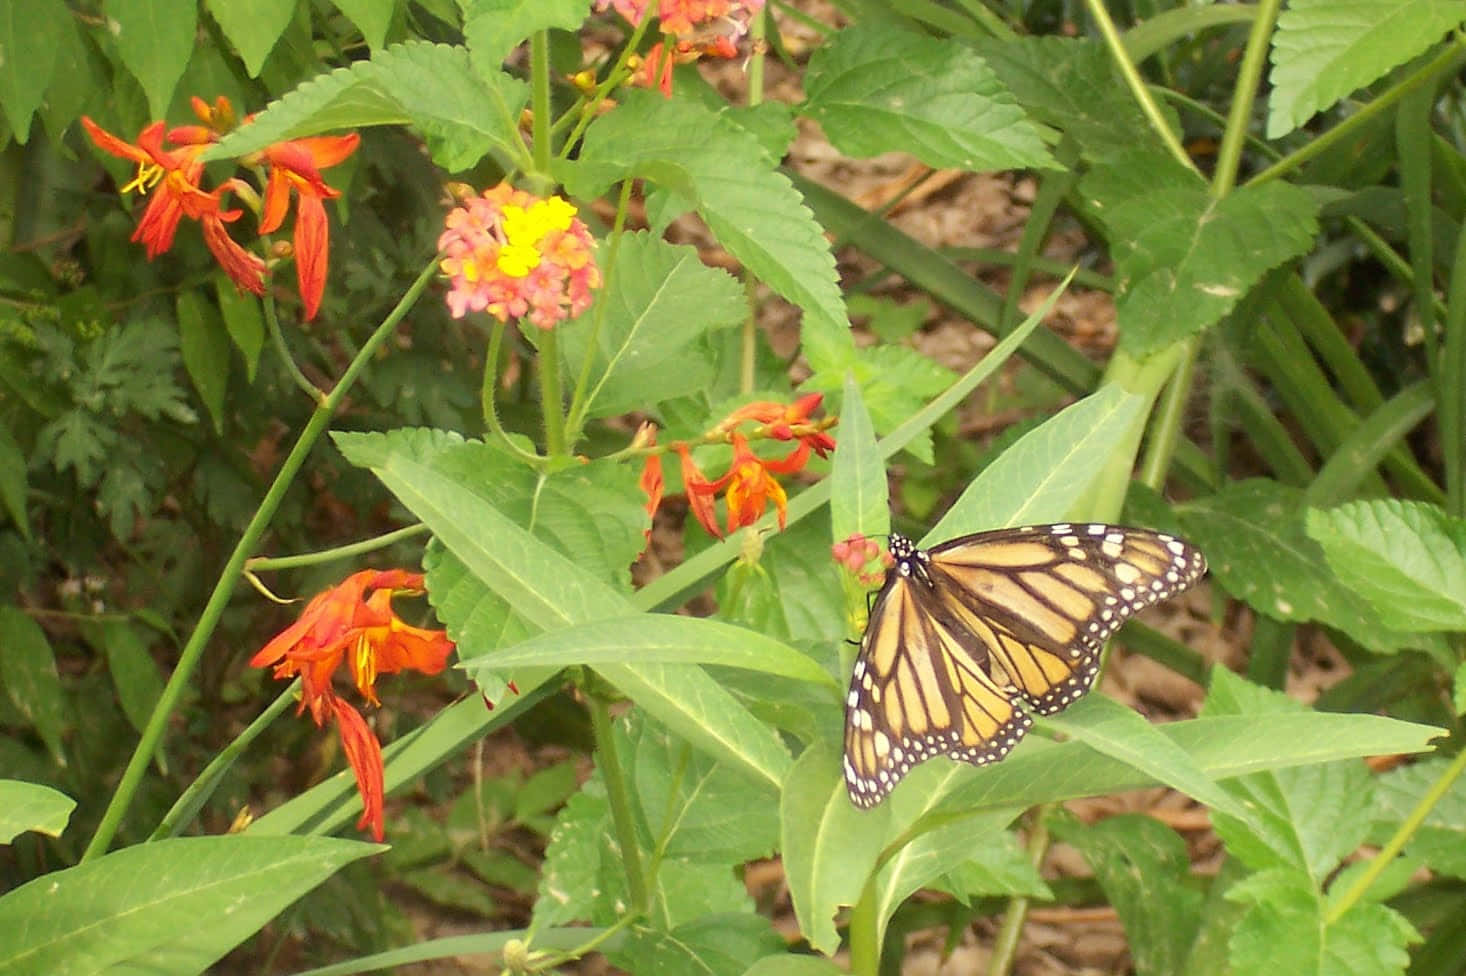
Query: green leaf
point(1325, 49)
point(1440, 841)
point(876, 89)
point(371, 17)
point(858, 499)
point(493, 28)
point(252, 28)
point(1256, 547)
point(432, 86)
point(1144, 869)
point(134, 672)
point(205, 350)
point(750, 207)
point(1307, 818)
point(1404, 558)
point(1116, 731)
point(570, 880)
point(791, 965)
point(154, 39)
point(715, 945)
point(243, 321)
point(659, 304)
point(1074, 86)
point(895, 381)
point(646, 638)
point(28, 670)
point(31, 33)
point(829, 847)
point(122, 911)
point(31, 806)
point(1284, 931)
point(1184, 257)
point(1043, 476)
point(697, 808)
point(13, 482)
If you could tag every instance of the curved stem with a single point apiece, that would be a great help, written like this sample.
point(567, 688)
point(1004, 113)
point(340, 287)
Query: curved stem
point(260, 564)
point(486, 398)
point(277, 339)
point(1137, 85)
point(230, 575)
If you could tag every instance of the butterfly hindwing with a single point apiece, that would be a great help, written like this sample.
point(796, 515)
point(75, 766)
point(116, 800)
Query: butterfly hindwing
point(959, 633)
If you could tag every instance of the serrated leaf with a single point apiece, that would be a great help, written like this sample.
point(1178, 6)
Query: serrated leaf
point(154, 39)
point(569, 881)
point(252, 28)
point(465, 115)
point(121, 912)
point(895, 382)
point(1440, 840)
point(1325, 49)
point(858, 494)
point(28, 670)
point(30, 35)
point(660, 301)
point(1285, 931)
point(1144, 868)
point(1042, 477)
point(1404, 558)
point(1074, 86)
point(1185, 257)
point(751, 208)
point(691, 889)
point(31, 806)
point(1256, 547)
point(493, 28)
point(205, 350)
point(875, 89)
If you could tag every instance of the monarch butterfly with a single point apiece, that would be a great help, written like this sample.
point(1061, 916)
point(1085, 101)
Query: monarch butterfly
point(1038, 602)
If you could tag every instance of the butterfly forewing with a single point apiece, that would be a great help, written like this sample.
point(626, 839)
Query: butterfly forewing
point(1038, 602)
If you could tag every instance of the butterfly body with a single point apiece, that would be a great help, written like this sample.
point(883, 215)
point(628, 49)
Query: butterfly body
point(967, 638)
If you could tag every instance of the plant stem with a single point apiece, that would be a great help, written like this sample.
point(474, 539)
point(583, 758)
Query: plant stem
point(619, 796)
point(262, 564)
point(1138, 88)
point(229, 577)
point(1244, 94)
point(550, 401)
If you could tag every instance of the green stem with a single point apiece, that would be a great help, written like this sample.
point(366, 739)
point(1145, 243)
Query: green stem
point(1386, 856)
point(486, 399)
point(550, 396)
point(1244, 94)
point(1005, 945)
point(1166, 430)
point(1138, 88)
point(619, 795)
point(193, 650)
point(539, 62)
point(206, 782)
point(277, 339)
point(263, 564)
point(865, 950)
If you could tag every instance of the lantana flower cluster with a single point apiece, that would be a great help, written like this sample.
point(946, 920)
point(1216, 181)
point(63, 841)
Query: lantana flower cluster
point(699, 28)
point(170, 173)
point(749, 485)
point(514, 255)
point(343, 625)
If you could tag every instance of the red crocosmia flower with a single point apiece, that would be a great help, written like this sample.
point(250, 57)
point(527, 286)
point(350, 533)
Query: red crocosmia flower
point(700, 492)
point(651, 481)
point(296, 165)
point(750, 486)
point(364, 754)
point(343, 623)
point(171, 178)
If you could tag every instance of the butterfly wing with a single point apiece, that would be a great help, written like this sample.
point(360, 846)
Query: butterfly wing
point(920, 688)
point(1043, 599)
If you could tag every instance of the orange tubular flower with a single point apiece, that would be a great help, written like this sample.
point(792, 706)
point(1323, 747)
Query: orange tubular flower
point(700, 491)
point(171, 177)
point(343, 623)
point(750, 486)
point(297, 165)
